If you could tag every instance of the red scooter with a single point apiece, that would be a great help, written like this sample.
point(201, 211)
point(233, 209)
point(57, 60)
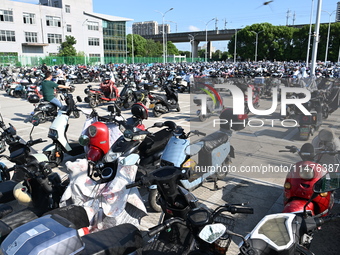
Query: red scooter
point(298, 187)
point(107, 92)
point(99, 136)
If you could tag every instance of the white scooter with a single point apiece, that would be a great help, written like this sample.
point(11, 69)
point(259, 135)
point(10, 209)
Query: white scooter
point(57, 132)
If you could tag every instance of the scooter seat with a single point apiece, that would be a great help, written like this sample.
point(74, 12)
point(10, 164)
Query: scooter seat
point(214, 140)
point(121, 239)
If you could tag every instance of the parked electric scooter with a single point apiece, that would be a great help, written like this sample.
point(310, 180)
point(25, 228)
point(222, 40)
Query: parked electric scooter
point(108, 92)
point(300, 180)
point(57, 132)
point(183, 217)
point(20, 152)
point(164, 103)
point(308, 124)
point(289, 233)
point(214, 154)
point(46, 111)
point(39, 192)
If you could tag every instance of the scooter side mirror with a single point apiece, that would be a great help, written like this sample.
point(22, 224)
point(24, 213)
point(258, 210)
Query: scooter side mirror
point(35, 121)
point(129, 160)
point(193, 149)
point(158, 124)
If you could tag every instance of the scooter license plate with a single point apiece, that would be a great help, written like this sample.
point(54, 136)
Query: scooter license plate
point(151, 106)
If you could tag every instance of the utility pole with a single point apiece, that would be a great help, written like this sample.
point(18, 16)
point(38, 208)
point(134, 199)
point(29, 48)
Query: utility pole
point(287, 17)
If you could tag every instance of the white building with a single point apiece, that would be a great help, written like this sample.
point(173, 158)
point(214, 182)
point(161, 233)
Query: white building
point(38, 29)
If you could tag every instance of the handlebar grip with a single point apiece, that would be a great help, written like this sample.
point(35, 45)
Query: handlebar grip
point(155, 230)
point(238, 209)
point(201, 133)
point(40, 140)
point(131, 185)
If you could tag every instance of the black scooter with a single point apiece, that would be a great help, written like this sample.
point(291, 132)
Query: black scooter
point(164, 103)
point(20, 152)
point(46, 111)
point(183, 218)
point(148, 145)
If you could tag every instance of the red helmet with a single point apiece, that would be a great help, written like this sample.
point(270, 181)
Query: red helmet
point(139, 110)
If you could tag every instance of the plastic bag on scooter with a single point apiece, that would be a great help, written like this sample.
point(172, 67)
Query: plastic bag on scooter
point(111, 197)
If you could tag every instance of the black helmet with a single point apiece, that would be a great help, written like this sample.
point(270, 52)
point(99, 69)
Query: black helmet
point(33, 99)
point(231, 121)
point(139, 110)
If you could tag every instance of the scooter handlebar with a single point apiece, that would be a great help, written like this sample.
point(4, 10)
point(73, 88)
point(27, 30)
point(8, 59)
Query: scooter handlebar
point(33, 142)
point(166, 224)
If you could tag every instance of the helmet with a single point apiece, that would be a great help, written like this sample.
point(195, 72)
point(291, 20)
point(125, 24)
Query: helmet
point(139, 110)
point(56, 67)
point(22, 194)
point(231, 121)
point(33, 99)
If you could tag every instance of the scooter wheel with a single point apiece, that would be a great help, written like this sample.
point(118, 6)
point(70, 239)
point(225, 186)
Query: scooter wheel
point(178, 109)
point(40, 116)
point(16, 94)
point(93, 103)
point(156, 113)
point(202, 117)
point(76, 114)
point(153, 198)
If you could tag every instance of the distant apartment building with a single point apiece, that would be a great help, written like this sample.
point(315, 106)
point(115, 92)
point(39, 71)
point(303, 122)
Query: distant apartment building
point(38, 29)
point(149, 28)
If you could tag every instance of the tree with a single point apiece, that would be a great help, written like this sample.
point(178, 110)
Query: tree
point(139, 44)
point(172, 49)
point(67, 48)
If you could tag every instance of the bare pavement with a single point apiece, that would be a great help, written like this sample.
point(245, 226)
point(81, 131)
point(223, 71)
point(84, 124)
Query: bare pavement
point(256, 175)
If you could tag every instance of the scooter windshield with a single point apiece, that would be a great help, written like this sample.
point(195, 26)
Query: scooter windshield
point(276, 231)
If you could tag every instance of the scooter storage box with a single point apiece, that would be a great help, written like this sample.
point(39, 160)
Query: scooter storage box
point(50, 234)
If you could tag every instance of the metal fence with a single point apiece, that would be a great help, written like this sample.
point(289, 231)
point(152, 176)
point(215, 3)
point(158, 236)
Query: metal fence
point(53, 60)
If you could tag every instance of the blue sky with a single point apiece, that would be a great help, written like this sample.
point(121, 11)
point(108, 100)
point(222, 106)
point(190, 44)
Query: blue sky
point(189, 15)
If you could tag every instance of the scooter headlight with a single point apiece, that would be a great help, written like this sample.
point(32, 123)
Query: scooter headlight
point(84, 140)
point(92, 131)
point(306, 172)
point(53, 134)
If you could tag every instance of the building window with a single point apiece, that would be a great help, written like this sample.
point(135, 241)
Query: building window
point(29, 18)
point(6, 15)
point(31, 37)
point(68, 28)
point(56, 4)
point(91, 25)
point(67, 8)
point(52, 21)
point(54, 38)
point(94, 41)
point(94, 57)
point(7, 36)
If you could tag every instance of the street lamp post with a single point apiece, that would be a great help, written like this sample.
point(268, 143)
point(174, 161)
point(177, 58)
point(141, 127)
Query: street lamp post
point(329, 29)
point(84, 41)
point(173, 22)
point(235, 44)
point(192, 39)
point(310, 33)
point(163, 14)
point(206, 39)
point(256, 42)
